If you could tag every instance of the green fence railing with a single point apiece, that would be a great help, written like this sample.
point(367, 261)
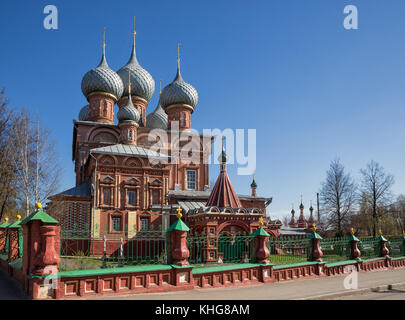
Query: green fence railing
point(396, 246)
point(335, 249)
point(369, 247)
point(78, 250)
point(226, 247)
point(289, 250)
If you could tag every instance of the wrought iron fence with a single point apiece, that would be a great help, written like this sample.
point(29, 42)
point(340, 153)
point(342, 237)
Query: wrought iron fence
point(226, 247)
point(335, 249)
point(369, 248)
point(4, 241)
point(289, 250)
point(79, 250)
point(396, 246)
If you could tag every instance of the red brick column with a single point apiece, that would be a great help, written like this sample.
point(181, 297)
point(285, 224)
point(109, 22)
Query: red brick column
point(355, 252)
point(384, 250)
point(178, 241)
point(317, 253)
point(47, 260)
point(262, 252)
point(180, 252)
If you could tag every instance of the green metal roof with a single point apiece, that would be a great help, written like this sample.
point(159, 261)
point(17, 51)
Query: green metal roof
point(260, 232)
point(381, 238)
point(178, 225)
point(16, 224)
point(314, 235)
point(39, 215)
point(353, 238)
point(5, 225)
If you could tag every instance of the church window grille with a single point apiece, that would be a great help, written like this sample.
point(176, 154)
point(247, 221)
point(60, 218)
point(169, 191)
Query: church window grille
point(183, 119)
point(131, 197)
point(116, 223)
point(144, 224)
point(191, 179)
point(106, 195)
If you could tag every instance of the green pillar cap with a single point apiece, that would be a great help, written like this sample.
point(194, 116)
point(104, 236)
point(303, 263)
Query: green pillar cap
point(178, 225)
point(381, 238)
point(5, 225)
point(314, 235)
point(39, 215)
point(260, 232)
point(353, 238)
point(16, 224)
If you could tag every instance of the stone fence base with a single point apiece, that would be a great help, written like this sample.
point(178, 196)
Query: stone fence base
point(80, 284)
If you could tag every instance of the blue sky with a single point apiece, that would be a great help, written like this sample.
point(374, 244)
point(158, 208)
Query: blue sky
point(313, 90)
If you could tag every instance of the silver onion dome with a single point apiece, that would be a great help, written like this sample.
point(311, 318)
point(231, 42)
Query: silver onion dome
point(157, 119)
point(128, 112)
point(179, 92)
point(142, 82)
point(102, 79)
point(84, 113)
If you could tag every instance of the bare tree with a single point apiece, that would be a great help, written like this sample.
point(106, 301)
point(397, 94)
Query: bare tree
point(7, 174)
point(338, 197)
point(376, 189)
point(35, 162)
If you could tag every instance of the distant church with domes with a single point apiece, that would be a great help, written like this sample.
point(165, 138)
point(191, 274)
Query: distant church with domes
point(124, 186)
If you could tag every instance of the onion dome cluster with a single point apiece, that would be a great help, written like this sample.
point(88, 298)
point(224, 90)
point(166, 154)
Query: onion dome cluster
point(103, 79)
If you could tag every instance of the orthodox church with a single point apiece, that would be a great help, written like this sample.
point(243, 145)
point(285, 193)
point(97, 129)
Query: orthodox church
point(302, 226)
point(123, 186)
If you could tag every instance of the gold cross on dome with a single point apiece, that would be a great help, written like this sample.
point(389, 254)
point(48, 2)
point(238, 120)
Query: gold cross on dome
point(104, 39)
point(134, 33)
point(178, 52)
point(179, 215)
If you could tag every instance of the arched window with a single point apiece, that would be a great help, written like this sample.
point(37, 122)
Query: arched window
point(130, 134)
point(183, 119)
point(105, 109)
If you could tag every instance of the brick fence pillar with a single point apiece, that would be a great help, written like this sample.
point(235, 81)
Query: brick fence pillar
point(178, 241)
point(355, 252)
point(262, 252)
point(47, 259)
point(41, 236)
point(384, 252)
point(316, 252)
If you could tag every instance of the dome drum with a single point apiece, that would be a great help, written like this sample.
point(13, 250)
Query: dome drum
point(128, 132)
point(179, 116)
point(101, 108)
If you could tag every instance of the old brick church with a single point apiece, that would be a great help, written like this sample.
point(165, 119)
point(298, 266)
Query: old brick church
point(123, 185)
